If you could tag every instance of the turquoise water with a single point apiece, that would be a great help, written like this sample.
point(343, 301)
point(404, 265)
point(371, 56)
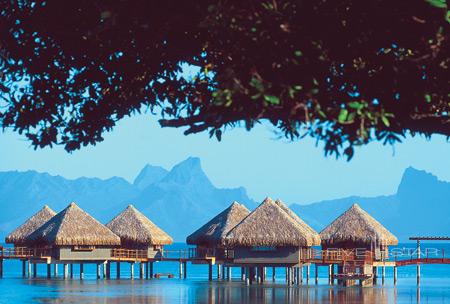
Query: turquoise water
point(434, 288)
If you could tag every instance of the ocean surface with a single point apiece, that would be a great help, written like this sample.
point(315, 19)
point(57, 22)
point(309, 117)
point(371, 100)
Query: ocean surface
point(434, 287)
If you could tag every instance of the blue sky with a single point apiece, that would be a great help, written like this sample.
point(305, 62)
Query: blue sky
point(296, 172)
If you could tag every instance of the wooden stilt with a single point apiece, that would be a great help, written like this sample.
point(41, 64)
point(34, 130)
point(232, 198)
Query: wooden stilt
point(118, 270)
point(375, 274)
point(210, 272)
point(81, 271)
point(224, 272)
point(71, 270)
point(395, 275)
point(24, 268)
point(247, 276)
point(141, 270)
point(132, 270)
point(55, 270)
point(332, 274)
point(108, 270)
point(104, 269)
point(34, 270)
point(273, 274)
point(65, 271)
point(316, 274)
point(243, 274)
point(418, 265)
point(219, 275)
point(151, 270)
point(29, 268)
point(98, 270)
point(1, 268)
point(49, 271)
point(308, 273)
point(229, 273)
point(147, 270)
point(300, 273)
point(185, 269)
point(383, 274)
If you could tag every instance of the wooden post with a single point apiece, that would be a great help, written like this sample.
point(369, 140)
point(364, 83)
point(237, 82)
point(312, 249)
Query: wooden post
point(65, 271)
point(81, 271)
point(132, 270)
point(118, 270)
point(329, 273)
point(29, 268)
point(147, 270)
point(49, 271)
point(243, 277)
point(316, 274)
point(332, 274)
point(24, 268)
point(71, 270)
point(34, 270)
point(289, 275)
point(151, 270)
point(247, 276)
point(273, 274)
point(375, 274)
point(104, 269)
point(300, 273)
point(98, 271)
point(308, 273)
point(210, 272)
point(141, 270)
point(218, 271)
point(108, 270)
point(1, 268)
point(55, 270)
point(185, 269)
point(418, 264)
point(395, 275)
point(224, 269)
point(229, 273)
point(383, 274)
point(180, 271)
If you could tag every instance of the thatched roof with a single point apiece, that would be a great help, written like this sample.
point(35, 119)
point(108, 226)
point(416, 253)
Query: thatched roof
point(314, 235)
point(356, 225)
point(135, 228)
point(213, 233)
point(73, 226)
point(19, 235)
point(270, 225)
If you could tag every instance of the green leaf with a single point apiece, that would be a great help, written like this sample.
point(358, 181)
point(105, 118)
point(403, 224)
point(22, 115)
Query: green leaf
point(356, 105)
point(385, 121)
point(427, 97)
point(343, 115)
point(272, 99)
point(447, 17)
point(438, 3)
point(298, 53)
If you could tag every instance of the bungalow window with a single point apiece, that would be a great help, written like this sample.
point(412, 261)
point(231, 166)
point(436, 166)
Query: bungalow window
point(83, 248)
point(263, 248)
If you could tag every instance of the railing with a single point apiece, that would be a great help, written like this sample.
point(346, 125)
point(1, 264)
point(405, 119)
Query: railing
point(24, 252)
point(129, 254)
point(342, 255)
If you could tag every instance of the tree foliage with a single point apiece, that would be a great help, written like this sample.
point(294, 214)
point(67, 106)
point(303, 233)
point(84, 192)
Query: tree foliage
point(344, 72)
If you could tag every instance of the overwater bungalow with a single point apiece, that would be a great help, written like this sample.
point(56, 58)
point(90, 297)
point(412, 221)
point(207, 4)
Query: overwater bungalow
point(356, 229)
point(209, 239)
point(360, 241)
point(271, 235)
point(136, 231)
point(74, 235)
point(19, 236)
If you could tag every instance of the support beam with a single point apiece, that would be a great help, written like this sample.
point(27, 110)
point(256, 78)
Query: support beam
point(65, 271)
point(81, 271)
point(229, 273)
point(118, 270)
point(132, 270)
point(49, 271)
point(108, 270)
point(24, 268)
point(34, 270)
point(247, 276)
point(219, 275)
point(330, 273)
point(180, 269)
point(1, 268)
point(243, 274)
point(273, 274)
point(185, 269)
point(104, 269)
point(71, 270)
point(98, 271)
point(151, 270)
point(29, 268)
point(316, 274)
point(395, 275)
point(383, 274)
point(308, 273)
point(55, 270)
point(224, 272)
point(147, 270)
point(141, 270)
point(210, 272)
point(375, 274)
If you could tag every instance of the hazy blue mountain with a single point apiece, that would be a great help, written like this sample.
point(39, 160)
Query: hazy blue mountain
point(149, 175)
point(421, 206)
point(179, 200)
